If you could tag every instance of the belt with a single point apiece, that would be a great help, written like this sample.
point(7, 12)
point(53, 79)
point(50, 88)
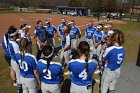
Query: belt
point(112, 69)
point(89, 38)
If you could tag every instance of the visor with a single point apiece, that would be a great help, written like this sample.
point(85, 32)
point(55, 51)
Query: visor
point(13, 34)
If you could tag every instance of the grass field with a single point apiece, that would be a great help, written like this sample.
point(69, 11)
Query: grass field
point(132, 40)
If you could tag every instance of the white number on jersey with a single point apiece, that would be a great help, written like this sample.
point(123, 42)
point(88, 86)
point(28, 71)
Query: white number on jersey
point(83, 75)
point(48, 76)
point(120, 59)
point(23, 65)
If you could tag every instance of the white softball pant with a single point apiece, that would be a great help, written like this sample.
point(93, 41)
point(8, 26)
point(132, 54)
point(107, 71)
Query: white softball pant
point(79, 89)
point(29, 85)
point(65, 55)
point(74, 43)
point(109, 80)
point(50, 88)
point(92, 48)
point(15, 67)
point(98, 50)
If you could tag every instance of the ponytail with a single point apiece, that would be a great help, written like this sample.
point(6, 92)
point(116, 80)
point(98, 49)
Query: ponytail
point(84, 48)
point(48, 65)
point(86, 65)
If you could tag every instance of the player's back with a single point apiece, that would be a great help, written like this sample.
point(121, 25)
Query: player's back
point(27, 64)
point(54, 74)
point(79, 75)
point(115, 56)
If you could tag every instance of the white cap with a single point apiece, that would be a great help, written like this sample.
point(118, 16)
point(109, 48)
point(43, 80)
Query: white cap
point(70, 23)
point(108, 26)
point(63, 20)
point(47, 22)
point(99, 26)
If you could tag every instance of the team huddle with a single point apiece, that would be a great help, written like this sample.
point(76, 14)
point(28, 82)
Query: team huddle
point(101, 52)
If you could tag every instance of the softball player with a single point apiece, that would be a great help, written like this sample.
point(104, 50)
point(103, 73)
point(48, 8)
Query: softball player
point(5, 42)
point(98, 35)
point(51, 29)
point(50, 72)
point(14, 48)
point(41, 36)
point(66, 45)
point(24, 33)
point(27, 64)
point(61, 26)
point(89, 32)
point(82, 70)
point(114, 56)
point(109, 29)
point(75, 34)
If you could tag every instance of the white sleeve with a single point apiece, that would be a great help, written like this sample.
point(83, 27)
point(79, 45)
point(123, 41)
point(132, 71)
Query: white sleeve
point(16, 48)
point(107, 51)
point(68, 40)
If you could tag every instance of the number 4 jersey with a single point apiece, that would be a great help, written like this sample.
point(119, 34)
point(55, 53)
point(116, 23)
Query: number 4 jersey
point(114, 56)
point(52, 75)
point(79, 75)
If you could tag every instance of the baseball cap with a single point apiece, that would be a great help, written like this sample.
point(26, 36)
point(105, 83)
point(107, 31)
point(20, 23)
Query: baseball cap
point(108, 26)
point(99, 26)
point(25, 26)
point(47, 22)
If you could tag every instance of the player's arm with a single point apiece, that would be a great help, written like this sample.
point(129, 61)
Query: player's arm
point(85, 32)
point(37, 76)
point(34, 65)
point(106, 54)
point(98, 43)
point(78, 33)
point(37, 39)
point(95, 44)
point(67, 46)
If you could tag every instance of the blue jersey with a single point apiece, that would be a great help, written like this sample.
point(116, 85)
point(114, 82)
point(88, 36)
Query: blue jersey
point(5, 46)
point(54, 74)
point(66, 40)
point(42, 34)
point(27, 65)
point(51, 30)
point(98, 36)
point(79, 75)
point(115, 56)
point(13, 49)
point(74, 32)
point(105, 35)
point(90, 32)
point(60, 29)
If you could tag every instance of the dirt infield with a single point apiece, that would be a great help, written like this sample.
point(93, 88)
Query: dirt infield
point(17, 19)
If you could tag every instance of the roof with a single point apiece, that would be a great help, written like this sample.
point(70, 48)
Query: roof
point(72, 7)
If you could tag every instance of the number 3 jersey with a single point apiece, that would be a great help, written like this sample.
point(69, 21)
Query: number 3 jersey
point(79, 75)
point(52, 75)
point(27, 64)
point(114, 56)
